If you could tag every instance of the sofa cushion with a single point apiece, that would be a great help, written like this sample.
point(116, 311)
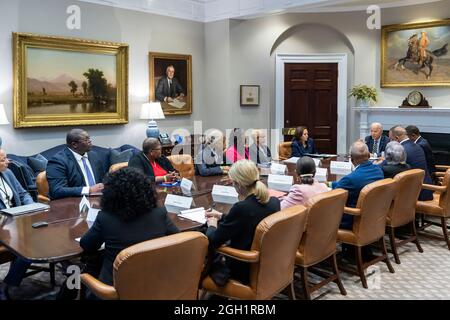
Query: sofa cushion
point(38, 163)
point(120, 156)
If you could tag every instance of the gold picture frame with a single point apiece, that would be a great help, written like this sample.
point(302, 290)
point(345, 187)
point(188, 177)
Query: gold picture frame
point(407, 54)
point(176, 97)
point(62, 81)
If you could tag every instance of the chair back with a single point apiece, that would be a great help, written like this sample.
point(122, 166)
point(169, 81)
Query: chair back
point(184, 164)
point(276, 238)
point(166, 268)
point(403, 208)
point(42, 186)
point(117, 166)
point(374, 201)
point(285, 150)
point(324, 216)
point(444, 197)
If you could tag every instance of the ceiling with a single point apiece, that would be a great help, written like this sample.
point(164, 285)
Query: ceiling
point(212, 10)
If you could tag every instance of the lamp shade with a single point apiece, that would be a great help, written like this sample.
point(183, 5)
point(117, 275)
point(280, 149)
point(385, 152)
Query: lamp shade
point(152, 110)
point(3, 118)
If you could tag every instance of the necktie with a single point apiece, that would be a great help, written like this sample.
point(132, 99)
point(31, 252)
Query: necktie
point(170, 87)
point(90, 177)
point(375, 146)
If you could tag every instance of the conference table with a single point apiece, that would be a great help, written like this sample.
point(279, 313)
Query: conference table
point(58, 241)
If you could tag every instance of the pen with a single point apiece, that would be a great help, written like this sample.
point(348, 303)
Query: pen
point(212, 206)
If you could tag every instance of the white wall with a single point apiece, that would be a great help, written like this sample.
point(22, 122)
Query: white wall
point(141, 31)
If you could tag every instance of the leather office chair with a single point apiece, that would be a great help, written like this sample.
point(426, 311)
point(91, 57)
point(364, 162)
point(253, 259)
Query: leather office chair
point(166, 268)
point(438, 207)
point(184, 164)
point(440, 173)
point(284, 150)
point(403, 208)
point(271, 256)
point(42, 187)
point(117, 166)
point(369, 223)
point(319, 240)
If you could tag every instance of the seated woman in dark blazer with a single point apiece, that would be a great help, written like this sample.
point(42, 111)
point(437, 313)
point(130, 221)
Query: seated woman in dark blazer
point(238, 226)
point(395, 161)
point(153, 163)
point(129, 216)
point(302, 144)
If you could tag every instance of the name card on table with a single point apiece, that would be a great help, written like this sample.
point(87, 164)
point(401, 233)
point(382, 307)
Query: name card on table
point(84, 204)
point(292, 160)
point(340, 168)
point(91, 216)
point(321, 174)
point(174, 203)
point(280, 182)
point(224, 194)
point(186, 185)
point(277, 168)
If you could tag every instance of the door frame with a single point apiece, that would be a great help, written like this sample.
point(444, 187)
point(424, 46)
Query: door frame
point(341, 59)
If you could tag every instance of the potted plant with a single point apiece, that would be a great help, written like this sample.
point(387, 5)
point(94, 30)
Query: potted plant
point(364, 94)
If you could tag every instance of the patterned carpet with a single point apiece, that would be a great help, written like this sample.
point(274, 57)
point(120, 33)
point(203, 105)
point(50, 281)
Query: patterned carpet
point(421, 276)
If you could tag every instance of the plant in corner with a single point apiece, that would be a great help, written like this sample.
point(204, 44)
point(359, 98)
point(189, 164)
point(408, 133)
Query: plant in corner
point(364, 94)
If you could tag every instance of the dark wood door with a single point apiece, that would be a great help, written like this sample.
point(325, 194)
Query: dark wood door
point(310, 99)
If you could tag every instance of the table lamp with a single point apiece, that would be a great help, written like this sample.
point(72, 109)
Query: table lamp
point(3, 118)
point(152, 111)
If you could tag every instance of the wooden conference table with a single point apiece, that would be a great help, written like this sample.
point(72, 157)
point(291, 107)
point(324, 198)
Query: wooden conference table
point(56, 242)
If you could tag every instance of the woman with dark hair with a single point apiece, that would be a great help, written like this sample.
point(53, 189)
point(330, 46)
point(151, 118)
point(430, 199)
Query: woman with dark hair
point(308, 186)
point(302, 143)
point(237, 148)
point(129, 216)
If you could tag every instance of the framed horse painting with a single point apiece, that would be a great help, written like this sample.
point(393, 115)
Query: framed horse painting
point(415, 55)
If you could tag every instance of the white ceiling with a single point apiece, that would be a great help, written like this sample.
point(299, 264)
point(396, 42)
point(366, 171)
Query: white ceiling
point(212, 10)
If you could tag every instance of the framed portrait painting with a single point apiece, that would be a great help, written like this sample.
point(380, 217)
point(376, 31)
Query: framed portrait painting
point(171, 82)
point(249, 95)
point(415, 55)
point(67, 81)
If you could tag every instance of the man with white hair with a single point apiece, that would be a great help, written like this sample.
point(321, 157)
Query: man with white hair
point(377, 141)
point(209, 160)
point(259, 151)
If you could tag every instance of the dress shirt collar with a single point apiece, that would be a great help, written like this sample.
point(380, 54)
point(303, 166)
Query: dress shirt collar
point(78, 156)
point(417, 139)
point(401, 142)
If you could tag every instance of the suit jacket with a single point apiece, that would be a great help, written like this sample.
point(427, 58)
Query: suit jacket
point(382, 143)
point(415, 157)
point(64, 175)
point(205, 162)
point(365, 173)
point(298, 150)
point(20, 195)
point(300, 193)
point(238, 227)
point(118, 234)
point(162, 89)
point(428, 154)
point(141, 162)
point(258, 156)
point(391, 170)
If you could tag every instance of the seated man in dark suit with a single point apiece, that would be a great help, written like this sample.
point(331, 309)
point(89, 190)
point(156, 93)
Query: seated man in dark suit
point(414, 135)
point(377, 141)
point(75, 171)
point(168, 87)
point(415, 157)
point(365, 172)
point(153, 163)
point(259, 151)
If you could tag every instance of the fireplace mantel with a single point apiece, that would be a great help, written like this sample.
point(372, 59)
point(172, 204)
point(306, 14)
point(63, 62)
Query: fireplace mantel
point(436, 120)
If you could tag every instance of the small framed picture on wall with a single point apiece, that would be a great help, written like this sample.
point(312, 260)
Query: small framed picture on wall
point(249, 95)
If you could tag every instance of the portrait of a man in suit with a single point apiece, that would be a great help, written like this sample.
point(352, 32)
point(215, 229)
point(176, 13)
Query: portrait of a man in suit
point(169, 88)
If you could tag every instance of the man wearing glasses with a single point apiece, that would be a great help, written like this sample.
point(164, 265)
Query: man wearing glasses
point(75, 171)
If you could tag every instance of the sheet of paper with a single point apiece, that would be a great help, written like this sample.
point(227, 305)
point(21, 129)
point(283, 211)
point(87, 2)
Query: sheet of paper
point(340, 167)
point(321, 174)
point(178, 201)
point(84, 204)
point(277, 168)
point(197, 214)
point(177, 104)
point(92, 214)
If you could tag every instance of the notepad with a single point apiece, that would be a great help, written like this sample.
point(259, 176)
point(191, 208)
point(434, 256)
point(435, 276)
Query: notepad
point(197, 215)
point(28, 208)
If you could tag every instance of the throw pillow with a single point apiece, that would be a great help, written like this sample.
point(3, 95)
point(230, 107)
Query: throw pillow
point(117, 156)
point(38, 163)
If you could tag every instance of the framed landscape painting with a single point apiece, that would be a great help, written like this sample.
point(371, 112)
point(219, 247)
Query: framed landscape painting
point(66, 81)
point(415, 55)
point(171, 82)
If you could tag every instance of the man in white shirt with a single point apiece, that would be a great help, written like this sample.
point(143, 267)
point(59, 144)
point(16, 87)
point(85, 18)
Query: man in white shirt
point(75, 171)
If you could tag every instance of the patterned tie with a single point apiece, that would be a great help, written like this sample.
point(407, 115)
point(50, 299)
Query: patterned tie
point(375, 146)
point(90, 176)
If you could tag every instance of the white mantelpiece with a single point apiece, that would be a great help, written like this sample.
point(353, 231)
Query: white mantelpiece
point(435, 120)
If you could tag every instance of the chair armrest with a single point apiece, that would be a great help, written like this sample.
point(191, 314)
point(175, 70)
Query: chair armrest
point(439, 174)
point(352, 211)
point(100, 289)
point(441, 167)
point(434, 188)
point(241, 255)
point(43, 199)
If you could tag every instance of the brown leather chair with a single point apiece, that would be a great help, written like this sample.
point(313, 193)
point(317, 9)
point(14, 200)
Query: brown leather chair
point(438, 207)
point(117, 166)
point(369, 223)
point(284, 150)
point(403, 208)
point(272, 257)
point(42, 187)
point(184, 164)
point(319, 239)
point(166, 268)
point(440, 173)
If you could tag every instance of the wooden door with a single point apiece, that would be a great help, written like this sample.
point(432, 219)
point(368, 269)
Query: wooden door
point(310, 99)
